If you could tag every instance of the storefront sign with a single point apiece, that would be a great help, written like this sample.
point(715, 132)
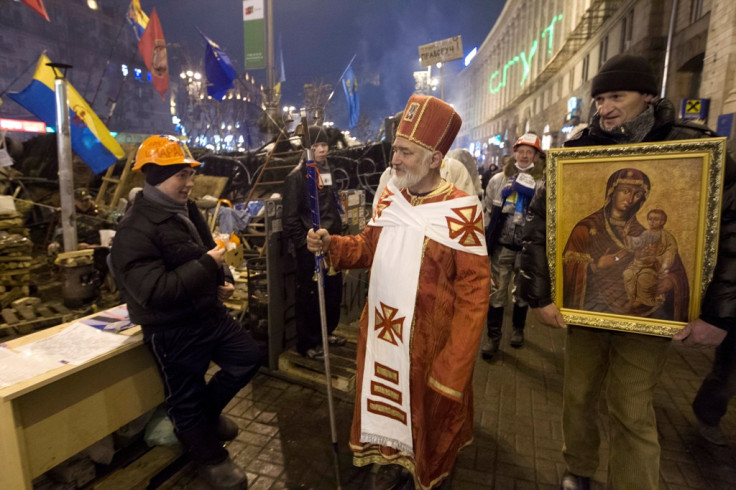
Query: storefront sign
point(694, 109)
point(495, 84)
point(21, 125)
point(725, 125)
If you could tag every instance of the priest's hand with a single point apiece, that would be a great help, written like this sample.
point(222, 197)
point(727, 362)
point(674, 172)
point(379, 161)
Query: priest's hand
point(700, 332)
point(550, 315)
point(318, 241)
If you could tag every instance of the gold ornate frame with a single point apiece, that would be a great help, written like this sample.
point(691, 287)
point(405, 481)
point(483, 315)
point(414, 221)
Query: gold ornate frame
point(686, 178)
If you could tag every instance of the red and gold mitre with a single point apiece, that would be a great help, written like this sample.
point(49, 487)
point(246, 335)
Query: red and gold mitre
point(430, 123)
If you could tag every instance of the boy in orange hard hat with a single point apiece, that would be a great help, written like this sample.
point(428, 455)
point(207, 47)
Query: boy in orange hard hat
point(174, 279)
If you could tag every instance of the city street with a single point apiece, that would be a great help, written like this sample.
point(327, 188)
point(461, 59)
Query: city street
point(285, 432)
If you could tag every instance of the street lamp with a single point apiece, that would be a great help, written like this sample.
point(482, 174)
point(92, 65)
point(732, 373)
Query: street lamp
point(193, 82)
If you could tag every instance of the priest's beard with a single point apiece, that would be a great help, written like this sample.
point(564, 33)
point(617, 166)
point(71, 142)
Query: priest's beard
point(413, 177)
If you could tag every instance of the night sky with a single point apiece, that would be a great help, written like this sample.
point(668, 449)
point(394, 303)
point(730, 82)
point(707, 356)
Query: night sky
point(320, 36)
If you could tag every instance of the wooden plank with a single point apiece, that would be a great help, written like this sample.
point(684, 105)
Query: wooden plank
point(312, 371)
point(137, 474)
point(27, 312)
point(9, 316)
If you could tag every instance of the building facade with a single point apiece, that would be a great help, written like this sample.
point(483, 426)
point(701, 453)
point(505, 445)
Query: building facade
point(107, 69)
point(534, 69)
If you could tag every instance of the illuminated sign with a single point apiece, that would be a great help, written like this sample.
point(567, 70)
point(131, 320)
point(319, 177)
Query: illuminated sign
point(470, 56)
point(21, 125)
point(524, 57)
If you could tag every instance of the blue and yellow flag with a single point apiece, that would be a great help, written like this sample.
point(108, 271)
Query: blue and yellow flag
point(137, 18)
point(350, 85)
point(280, 72)
point(90, 138)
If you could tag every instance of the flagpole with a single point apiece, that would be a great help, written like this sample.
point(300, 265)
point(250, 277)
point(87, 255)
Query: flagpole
point(21, 74)
point(64, 157)
point(338, 80)
point(107, 64)
point(320, 273)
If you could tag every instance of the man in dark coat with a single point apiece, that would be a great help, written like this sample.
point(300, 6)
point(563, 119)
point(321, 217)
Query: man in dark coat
point(174, 279)
point(297, 221)
point(627, 364)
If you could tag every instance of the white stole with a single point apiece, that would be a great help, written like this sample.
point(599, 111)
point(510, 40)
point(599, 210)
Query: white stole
point(385, 396)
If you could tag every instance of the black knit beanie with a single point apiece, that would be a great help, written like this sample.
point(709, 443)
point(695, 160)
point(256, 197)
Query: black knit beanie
point(317, 134)
point(625, 72)
point(155, 174)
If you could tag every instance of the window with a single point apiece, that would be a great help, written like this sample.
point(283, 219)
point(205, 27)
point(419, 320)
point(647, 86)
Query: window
point(696, 10)
point(627, 29)
point(586, 65)
point(572, 80)
point(602, 51)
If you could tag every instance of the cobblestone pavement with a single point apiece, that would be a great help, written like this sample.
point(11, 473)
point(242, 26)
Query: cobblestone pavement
point(285, 437)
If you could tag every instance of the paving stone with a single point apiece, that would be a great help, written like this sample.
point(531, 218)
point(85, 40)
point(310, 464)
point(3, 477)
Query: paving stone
point(285, 440)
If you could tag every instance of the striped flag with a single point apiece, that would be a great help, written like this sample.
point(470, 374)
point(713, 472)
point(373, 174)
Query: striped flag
point(91, 140)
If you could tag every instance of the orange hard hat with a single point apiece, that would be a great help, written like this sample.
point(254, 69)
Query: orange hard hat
point(163, 150)
point(529, 139)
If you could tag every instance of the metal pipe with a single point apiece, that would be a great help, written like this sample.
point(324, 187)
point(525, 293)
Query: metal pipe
point(66, 174)
point(670, 35)
point(269, 44)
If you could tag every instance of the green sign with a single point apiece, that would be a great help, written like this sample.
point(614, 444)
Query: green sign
point(495, 83)
point(254, 30)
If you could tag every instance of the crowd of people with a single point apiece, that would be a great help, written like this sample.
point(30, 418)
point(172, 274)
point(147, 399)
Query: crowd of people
point(449, 255)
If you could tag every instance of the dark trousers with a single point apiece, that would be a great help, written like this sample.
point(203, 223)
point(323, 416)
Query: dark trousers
point(308, 326)
point(183, 357)
point(719, 386)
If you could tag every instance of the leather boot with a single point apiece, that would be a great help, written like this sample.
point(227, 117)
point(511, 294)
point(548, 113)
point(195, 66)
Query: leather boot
point(488, 347)
point(518, 320)
point(224, 476)
point(494, 322)
point(226, 429)
point(202, 444)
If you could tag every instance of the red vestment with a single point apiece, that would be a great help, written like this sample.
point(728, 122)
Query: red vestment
point(449, 317)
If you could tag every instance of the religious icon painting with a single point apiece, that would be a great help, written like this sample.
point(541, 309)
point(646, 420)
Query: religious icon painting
point(633, 232)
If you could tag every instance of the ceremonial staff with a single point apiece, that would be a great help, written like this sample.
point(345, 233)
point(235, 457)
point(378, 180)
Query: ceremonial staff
point(319, 260)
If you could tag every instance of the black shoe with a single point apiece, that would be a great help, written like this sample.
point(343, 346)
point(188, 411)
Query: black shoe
point(226, 429)
point(336, 339)
point(571, 481)
point(224, 476)
point(389, 477)
point(488, 348)
point(517, 338)
point(315, 353)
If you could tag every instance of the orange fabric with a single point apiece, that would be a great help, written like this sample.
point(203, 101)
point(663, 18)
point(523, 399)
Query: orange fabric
point(450, 312)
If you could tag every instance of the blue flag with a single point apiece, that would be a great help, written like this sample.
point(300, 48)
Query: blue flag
point(350, 85)
point(218, 69)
